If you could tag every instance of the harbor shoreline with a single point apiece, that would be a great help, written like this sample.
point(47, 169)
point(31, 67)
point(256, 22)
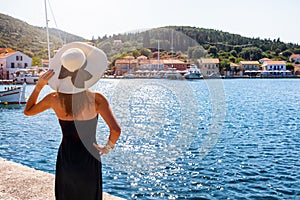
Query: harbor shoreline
point(21, 182)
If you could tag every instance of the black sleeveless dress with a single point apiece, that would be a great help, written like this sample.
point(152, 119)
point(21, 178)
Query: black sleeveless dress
point(78, 165)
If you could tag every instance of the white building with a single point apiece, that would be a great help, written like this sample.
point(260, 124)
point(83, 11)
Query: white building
point(11, 61)
point(274, 68)
point(209, 66)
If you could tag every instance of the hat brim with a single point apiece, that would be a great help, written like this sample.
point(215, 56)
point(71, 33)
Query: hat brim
point(96, 66)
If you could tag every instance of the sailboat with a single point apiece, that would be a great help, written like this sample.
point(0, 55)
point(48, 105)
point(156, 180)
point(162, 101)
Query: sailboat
point(171, 73)
point(16, 94)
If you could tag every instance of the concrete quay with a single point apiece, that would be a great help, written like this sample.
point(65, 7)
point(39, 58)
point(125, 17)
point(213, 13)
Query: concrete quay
point(19, 182)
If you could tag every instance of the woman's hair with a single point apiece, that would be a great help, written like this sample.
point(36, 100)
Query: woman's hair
point(74, 103)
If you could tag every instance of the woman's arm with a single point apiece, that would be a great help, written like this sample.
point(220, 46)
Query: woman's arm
point(32, 107)
point(103, 108)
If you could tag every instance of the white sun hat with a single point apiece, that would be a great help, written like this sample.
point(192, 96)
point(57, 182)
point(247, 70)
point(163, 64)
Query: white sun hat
point(77, 66)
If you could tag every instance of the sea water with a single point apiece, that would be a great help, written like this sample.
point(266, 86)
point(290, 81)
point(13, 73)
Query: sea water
point(203, 139)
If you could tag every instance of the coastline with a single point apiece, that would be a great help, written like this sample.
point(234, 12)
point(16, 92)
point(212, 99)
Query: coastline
point(9, 82)
point(21, 182)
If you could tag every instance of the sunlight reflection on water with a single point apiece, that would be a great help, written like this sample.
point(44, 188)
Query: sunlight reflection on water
point(255, 157)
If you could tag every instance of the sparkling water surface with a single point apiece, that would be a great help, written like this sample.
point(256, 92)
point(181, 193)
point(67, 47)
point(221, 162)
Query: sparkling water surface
point(204, 139)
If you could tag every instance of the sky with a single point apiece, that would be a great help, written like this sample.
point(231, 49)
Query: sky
point(92, 18)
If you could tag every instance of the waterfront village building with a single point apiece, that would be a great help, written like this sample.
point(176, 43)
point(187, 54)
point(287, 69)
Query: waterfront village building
point(297, 69)
point(249, 67)
point(11, 61)
point(233, 71)
point(274, 68)
point(126, 65)
point(295, 58)
point(129, 65)
point(209, 66)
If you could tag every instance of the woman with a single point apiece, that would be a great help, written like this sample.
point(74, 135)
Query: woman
point(75, 68)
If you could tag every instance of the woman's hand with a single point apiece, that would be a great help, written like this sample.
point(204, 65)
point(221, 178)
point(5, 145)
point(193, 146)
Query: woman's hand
point(103, 149)
point(44, 78)
point(32, 107)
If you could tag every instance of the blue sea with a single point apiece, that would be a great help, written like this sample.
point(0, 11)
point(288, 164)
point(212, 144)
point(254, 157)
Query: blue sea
point(203, 139)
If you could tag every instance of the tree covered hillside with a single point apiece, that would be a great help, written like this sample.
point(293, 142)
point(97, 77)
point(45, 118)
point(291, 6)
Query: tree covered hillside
point(229, 46)
point(29, 39)
point(197, 42)
point(184, 41)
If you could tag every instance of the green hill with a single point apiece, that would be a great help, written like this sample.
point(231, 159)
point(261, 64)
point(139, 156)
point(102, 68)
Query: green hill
point(29, 39)
point(199, 42)
point(191, 41)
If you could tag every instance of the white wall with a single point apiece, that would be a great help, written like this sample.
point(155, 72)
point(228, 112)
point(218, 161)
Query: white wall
point(20, 63)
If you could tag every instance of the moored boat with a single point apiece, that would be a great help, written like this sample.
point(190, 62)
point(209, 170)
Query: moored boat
point(173, 74)
point(28, 76)
point(193, 73)
point(13, 95)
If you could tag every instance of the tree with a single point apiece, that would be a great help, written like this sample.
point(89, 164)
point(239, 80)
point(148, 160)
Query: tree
point(251, 53)
point(232, 59)
point(36, 61)
point(287, 53)
point(196, 52)
point(106, 47)
point(223, 54)
point(225, 63)
point(238, 49)
point(213, 50)
point(146, 52)
point(190, 52)
point(136, 53)
point(296, 51)
point(289, 66)
point(233, 53)
point(146, 40)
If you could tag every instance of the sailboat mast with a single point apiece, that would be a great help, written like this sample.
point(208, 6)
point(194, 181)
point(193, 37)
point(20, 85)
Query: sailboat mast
point(158, 56)
point(47, 30)
point(172, 48)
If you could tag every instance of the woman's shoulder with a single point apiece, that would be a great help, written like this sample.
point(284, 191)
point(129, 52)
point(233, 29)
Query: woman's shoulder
point(51, 98)
point(52, 95)
point(96, 95)
point(99, 98)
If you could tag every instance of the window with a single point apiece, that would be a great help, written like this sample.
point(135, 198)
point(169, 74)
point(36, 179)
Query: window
point(21, 58)
point(17, 57)
point(12, 65)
